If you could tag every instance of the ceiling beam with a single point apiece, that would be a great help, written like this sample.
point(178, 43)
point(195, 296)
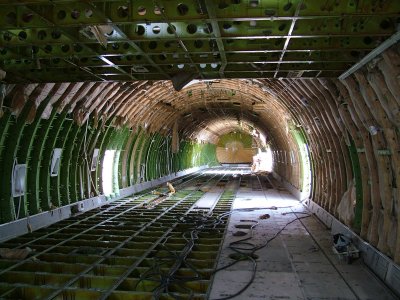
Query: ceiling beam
point(73, 38)
point(211, 8)
point(287, 41)
point(123, 36)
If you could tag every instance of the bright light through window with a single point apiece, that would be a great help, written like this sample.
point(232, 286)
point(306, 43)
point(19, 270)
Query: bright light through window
point(107, 172)
point(263, 161)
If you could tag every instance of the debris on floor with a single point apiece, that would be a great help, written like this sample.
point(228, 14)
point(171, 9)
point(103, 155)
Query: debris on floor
point(17, 254)
point(264, 217)
point(153, 203)
point(344, 248)
point(239, 233)
point(341, 242)
point(171, 188)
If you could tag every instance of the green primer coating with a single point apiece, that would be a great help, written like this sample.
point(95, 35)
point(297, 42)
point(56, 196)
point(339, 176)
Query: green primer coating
point(5, 123)
point(123, 148)
point(308, 157)
point(67, 177)
point(137, 162)
point(142, 159)
point(300, 145)
point(81, 170)
point(9, 207)
point(50, 131)
point(86, 152)
point(74, 181)
point(129, 159)
point(57, 183)
point(239, 136)
point(75, 172)
point(358, 185)
point(28, 153)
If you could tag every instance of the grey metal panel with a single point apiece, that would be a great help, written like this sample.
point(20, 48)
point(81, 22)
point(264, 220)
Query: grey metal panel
point(20, 227)
point(208, 200)
point(393, 278)
point(380, 264)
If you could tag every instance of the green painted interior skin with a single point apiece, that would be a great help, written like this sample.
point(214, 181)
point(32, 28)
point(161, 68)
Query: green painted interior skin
point(358, 184)
point(51, 131)
point(8, 205)
point(136, 161)
point(305, 166)
point(76, 181)
point(128, 154)
point(241, 137)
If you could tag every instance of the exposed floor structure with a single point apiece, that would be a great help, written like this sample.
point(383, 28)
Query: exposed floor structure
point(154, 245)
point(160, 246)
point(294, 263)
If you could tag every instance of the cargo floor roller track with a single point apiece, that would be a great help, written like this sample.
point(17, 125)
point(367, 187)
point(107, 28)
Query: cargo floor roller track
point(146, 247)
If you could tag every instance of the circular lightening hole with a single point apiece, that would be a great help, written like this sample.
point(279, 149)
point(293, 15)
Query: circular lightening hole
point(141, 10)
point(22, 35)
point(61, 14)
point(123, 11)
point(75, 14)
point(156, 29)
point(171, 30)
point(140, 30)
point(191, 28)
point(182, 9)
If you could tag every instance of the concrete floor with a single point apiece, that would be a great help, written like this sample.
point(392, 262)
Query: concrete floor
point(298, 264)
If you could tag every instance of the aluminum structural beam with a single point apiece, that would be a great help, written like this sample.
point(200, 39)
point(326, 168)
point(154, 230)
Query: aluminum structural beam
point(370, 56)
point(211, 8)
point(288, 37)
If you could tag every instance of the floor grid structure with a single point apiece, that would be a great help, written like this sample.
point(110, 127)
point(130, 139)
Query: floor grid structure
point(155, 246)
point(152, 246)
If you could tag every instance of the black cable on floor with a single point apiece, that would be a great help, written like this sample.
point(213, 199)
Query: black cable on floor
point(250, 255)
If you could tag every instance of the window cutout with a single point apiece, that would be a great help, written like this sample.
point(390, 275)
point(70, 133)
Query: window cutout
point(95, 159)
point(55, 162)
point(107, 172)
point(18, 180)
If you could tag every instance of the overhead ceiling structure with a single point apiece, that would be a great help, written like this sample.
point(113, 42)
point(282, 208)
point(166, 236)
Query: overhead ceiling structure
point(64, 41)
point(204, 110)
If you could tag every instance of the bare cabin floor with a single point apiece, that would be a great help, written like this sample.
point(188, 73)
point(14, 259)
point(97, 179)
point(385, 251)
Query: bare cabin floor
point(298, 264)
point(154, 247)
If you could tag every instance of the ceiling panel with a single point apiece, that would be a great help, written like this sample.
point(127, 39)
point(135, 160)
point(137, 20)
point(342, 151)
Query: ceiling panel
point(60, 40)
